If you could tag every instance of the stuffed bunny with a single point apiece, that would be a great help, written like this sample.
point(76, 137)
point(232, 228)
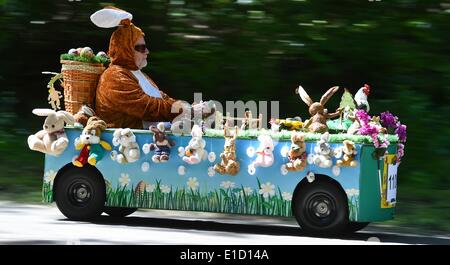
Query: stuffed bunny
point(92, 147)
point(161, 144)
point(319, 115)
point(229, 163)
point(323, 151)
point(264, 153)
point(195, 151)
point(52, 139)
point(128, 148)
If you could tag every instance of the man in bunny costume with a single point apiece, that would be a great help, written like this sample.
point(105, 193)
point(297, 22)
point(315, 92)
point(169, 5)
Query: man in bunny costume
point(126, 96)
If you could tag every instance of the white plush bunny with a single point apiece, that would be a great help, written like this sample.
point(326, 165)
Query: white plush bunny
point(195, 151)
point(52, 139)
point(322, 158)
point(128, 148)
point(264, 153)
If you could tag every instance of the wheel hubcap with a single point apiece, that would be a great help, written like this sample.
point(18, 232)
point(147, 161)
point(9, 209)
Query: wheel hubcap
point(320, 209)
point(80, 193)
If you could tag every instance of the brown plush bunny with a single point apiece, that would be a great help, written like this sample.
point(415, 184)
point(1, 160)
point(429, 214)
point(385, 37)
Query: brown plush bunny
point(229, 163)
point(319, 114)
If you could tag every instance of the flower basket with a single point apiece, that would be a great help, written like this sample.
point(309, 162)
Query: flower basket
point(80, 83)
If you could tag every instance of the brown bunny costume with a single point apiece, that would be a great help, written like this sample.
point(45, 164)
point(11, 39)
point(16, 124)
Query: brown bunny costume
point(120, 101)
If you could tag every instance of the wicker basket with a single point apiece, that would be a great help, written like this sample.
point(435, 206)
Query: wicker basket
point(80, 83)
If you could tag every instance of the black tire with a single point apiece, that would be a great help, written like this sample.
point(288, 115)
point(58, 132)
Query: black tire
point(80, 193)
point(119, 211)
point(321, 208)
point(353, 227)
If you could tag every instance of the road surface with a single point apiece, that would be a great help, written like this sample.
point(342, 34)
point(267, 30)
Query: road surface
point(44, 224)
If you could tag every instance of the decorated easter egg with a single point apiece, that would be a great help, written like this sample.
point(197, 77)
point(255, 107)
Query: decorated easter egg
point(140, 187)
point(87, 52)
point(102, 54)
point(181, 170)
point(145, 167)
point(73, 52)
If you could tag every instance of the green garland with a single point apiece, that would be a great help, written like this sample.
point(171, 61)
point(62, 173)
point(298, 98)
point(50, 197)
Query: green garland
point(309, 137)
point(284, 135)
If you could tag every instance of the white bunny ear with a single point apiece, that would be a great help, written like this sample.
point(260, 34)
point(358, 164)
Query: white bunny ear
point(115, 141)
point(109, 18)
point(117, 133)
point(325, 136)
point(66, 116)
point(43, 112)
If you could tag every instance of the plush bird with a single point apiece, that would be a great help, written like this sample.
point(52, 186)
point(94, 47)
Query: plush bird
point(361, 98)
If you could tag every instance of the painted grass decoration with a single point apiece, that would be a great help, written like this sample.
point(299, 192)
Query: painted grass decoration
point(230, 200)
point(353, 208)
point(47, 192)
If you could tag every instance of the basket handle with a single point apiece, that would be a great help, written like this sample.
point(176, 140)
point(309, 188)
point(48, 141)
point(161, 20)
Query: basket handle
point(53, 94)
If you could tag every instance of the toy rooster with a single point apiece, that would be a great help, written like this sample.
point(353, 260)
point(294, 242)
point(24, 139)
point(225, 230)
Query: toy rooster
point(361, 98)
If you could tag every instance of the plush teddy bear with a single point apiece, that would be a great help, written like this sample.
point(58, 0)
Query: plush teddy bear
point(264, 153)
point(82, 116)
point(229, 163)
point(128, 148)
point(323, 151)
point(52, 139)
point(297, 153)
point(350, 152)
point(195, 151)
point(161, 144)
point(92, 147)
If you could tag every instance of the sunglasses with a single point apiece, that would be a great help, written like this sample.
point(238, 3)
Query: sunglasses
point(142, 48)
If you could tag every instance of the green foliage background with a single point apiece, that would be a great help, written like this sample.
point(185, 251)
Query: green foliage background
point(257, 51)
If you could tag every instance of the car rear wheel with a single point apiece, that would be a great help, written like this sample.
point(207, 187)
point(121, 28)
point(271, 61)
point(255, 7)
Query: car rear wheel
point(321, 208)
